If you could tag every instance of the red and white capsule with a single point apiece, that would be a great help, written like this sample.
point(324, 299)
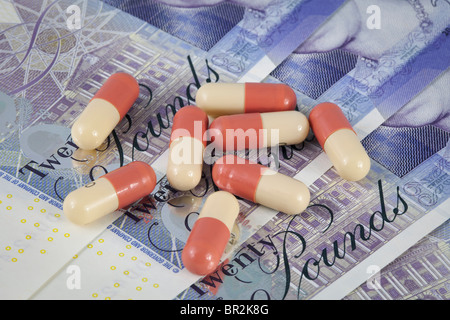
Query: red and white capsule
point(260, 184)
point(187, 145)
point(339, 141)
point(218, 99)
point(258, 130)
point(105, 110)
point(211, 233)
point(112, 191)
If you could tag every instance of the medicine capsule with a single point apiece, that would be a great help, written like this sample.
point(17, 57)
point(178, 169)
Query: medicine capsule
point(260, 184)
point(112, 191)
point(105, 110)
point(218, 99)
point(339, 141)
point(258, 130)
point(210, 234)
point(187, 144)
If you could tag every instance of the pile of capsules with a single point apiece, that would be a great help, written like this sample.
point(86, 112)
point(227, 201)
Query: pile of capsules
point(261, 107)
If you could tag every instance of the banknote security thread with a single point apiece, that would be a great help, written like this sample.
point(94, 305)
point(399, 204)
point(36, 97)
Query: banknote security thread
point(260, 184)
point(187, 144)
point(112, 191)
point(105, 110)
point(339, 141)
point(258, 130)
point(232, 98)
point(210, 234)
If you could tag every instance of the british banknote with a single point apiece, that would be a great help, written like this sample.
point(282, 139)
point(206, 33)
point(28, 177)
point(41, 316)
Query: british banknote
point(421, 273)
point(46, 101)
point(350, 205)
point(148, 222)
point(345, 237)
point(409, 147)
point(247, 38)
point(51, 64)
point(419, 68)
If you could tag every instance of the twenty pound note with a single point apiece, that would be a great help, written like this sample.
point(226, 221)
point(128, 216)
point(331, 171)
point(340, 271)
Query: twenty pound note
point(352, 230)
point(55, 55)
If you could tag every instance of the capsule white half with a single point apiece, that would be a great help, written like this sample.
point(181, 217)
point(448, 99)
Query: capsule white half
point(95, 124)
point(185, 164)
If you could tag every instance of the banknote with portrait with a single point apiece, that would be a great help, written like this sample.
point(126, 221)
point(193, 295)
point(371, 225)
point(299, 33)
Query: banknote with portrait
point(54, 57)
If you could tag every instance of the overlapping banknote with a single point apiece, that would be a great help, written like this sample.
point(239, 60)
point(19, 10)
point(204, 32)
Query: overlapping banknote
point(52, 64)
point(50, 68)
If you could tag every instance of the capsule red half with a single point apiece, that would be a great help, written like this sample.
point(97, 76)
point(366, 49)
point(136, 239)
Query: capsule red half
point(105, 110)
point(339, 141)
point(187, 144)
point(260, 184)
point(218, 99)
point(211, 233)
point(112, 191)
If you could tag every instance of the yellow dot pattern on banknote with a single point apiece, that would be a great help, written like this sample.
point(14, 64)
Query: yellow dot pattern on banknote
point(36, 233)
point(30, 221)
point(132, 272)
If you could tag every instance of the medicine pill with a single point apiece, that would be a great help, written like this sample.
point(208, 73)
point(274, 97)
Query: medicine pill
point(339, 141)
point(211, 233)
point(258, 130)
point(218, 99)
point(105, 110)
point(112, 191)
point(260, 184)
point(187, 144)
